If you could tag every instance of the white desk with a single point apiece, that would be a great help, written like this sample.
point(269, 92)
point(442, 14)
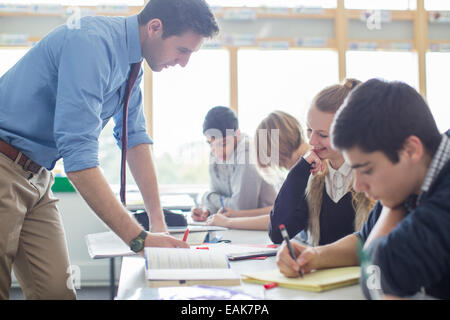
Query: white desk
point(132, 283)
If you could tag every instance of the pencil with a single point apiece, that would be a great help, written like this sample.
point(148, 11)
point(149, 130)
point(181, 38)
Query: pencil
point(285, 236)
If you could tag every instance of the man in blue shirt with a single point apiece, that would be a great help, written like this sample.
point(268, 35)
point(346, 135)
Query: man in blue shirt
point(53, 104)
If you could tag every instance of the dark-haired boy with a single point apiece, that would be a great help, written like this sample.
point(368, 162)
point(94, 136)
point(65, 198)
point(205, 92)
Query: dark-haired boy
point(388, 135)
point(235, 182)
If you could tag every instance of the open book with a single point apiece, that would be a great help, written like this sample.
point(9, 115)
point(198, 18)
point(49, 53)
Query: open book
point(319, 280)
point(186, 267)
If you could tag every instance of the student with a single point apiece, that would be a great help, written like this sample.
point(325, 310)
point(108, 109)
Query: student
point(234, 179)
point(317, 197)
point(53, 104)
point(389, 137)
point(290, 146)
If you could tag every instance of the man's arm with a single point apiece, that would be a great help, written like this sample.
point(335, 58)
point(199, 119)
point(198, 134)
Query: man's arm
point(142, 167)
point(95, 190)
point(388, 220)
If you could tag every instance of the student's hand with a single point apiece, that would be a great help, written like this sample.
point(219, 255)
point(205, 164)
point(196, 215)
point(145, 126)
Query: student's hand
point(315, 162)
point(163, 240)
point(218, 220)
point(229, 212)
point(198, 214)
point(307, 258)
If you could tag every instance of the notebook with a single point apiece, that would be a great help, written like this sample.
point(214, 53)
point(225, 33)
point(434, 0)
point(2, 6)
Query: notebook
point(186, 267)
point(108, 244)
point(319, 280)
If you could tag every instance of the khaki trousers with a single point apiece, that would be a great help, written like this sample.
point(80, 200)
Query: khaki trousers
point(32, 239)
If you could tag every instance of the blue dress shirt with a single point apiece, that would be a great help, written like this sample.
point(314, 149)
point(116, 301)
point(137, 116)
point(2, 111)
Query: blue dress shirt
point(56, 100)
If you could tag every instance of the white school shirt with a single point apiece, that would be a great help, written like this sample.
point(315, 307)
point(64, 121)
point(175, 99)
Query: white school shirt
point(337, 182)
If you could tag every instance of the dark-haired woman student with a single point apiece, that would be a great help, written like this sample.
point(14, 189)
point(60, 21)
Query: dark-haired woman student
point(317, 195)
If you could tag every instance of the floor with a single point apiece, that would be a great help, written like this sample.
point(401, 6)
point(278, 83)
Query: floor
point(85, 293)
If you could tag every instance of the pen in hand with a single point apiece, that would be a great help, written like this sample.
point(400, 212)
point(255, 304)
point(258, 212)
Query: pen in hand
point(221, 203)
point(285, 236)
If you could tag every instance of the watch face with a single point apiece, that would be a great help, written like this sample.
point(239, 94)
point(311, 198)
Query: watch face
point(137, 244)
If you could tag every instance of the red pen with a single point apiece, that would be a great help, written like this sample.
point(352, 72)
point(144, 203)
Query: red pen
point(270, 285)
point(186, 233)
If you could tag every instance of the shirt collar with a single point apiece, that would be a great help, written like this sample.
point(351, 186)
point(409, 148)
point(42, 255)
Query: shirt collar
point(440, 159)
point(344, 169)
point(133, 40)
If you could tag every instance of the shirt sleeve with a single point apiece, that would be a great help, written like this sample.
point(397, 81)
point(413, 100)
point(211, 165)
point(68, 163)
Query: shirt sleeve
point(136, 126)
point(416, 253)
point(245, 186)
point(370, 223)
point(290, 207)
point(83, 74)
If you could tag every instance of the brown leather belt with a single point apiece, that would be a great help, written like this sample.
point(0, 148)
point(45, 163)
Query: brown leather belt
point(24, 161)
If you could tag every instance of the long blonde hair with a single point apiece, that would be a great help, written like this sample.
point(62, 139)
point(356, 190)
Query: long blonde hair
point(329, 100)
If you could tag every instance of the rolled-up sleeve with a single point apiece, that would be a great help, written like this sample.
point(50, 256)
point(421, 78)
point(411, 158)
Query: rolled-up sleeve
point(82, 77)
point(136, 125)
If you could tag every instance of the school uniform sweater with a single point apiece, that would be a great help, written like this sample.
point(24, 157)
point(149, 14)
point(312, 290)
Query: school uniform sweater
point(291, 209)
point(416, 253)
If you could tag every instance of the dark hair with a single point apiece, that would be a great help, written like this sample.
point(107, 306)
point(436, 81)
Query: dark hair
point(331, 98)
point(179, 16)
point(380, 115)
point(220, 118)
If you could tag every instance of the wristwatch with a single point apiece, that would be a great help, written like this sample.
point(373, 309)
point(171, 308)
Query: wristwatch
point(137, 244)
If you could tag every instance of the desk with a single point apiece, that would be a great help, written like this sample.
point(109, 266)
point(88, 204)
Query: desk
point(132, 283)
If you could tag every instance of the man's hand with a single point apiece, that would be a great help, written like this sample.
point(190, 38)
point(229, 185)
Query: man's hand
point(198, 214)
point(307, 259)
point(157, 224)
point(163, 240)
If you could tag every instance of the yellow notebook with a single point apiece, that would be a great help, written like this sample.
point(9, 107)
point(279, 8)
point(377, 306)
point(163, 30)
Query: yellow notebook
point(319, 280)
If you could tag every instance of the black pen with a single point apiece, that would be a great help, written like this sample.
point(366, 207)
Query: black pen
point(285, 236)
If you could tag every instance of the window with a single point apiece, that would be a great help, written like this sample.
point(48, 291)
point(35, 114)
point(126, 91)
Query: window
point(438, 77)
point(78, 2)
point(9, 57)
point(285, 80)
point(364, 65)
point(273, 3)
point(181, 99)
point(437, 5)
point(381, 4)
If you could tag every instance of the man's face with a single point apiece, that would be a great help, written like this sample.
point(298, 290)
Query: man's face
point(163, 53)
point(381, 179)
